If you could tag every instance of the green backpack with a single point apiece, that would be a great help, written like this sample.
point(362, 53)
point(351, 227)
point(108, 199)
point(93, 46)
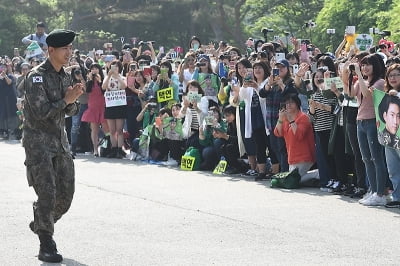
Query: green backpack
point(191, 159)
point(287, 180)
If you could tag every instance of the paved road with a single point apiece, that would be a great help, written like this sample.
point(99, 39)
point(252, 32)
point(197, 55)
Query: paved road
point(127, 213)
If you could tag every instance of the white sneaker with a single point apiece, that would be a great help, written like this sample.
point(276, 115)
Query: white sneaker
point(375, 200)
point(333, 186)
point(170, 162)
point(366, 196)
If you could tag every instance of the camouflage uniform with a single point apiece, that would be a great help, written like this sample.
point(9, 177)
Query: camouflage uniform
point(50, 168)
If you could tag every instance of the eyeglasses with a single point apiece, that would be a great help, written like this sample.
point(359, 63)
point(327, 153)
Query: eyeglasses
point(393, 75)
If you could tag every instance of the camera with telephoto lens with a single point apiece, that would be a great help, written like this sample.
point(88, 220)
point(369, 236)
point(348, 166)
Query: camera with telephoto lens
point(224, 81)
point(225, 56)
point(143, 43)
point(266, 30)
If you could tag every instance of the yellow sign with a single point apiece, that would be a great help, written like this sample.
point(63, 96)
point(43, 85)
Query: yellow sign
point(220, 168)
point(187, 163)
point(165, 95)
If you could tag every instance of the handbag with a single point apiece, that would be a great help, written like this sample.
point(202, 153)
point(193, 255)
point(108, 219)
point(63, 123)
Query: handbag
point(289, 180)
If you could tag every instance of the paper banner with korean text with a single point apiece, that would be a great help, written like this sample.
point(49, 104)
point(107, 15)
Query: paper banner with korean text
point(115, 98)
point(165, 95)
point(187, 163)
point(220, 168)
point(337, 80)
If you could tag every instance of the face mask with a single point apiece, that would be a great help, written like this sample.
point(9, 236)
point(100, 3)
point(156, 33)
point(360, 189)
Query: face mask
point(195, 46)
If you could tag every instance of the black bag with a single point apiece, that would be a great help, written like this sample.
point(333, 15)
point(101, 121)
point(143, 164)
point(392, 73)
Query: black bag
point(105, 146)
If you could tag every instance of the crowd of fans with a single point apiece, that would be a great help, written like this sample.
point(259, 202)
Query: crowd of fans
point(264, 110)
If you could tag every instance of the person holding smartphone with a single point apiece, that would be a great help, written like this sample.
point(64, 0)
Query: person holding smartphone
point(280, 83)
point(96, 105)
point(186, 69)
point(115, 115)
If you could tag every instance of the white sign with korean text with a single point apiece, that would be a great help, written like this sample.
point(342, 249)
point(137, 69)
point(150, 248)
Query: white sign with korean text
point(115, 98)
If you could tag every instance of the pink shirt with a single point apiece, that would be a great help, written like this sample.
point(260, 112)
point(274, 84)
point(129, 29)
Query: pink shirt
point(366, 109)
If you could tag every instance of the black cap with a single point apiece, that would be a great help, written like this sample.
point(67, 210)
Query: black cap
point(60, 38)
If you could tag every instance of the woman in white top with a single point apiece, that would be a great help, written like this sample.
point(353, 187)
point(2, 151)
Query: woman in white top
point(115, 115)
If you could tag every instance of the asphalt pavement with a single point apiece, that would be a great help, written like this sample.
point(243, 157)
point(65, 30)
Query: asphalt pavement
point(132, 213)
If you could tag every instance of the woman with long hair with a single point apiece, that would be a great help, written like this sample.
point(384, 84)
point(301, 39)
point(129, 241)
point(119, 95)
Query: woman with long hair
point(96, 105)
point(371, 73)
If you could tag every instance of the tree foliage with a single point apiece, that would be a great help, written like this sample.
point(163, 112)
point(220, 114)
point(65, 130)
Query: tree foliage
point(171, 23)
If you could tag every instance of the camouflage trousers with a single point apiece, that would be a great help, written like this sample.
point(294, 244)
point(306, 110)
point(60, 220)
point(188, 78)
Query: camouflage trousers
point(52, 176)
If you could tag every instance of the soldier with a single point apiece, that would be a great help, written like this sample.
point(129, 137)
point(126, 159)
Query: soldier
point(50, 168)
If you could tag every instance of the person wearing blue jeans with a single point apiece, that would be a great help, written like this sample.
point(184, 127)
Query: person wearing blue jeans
point(393, 164)
point(372, 155)
point(76, 124)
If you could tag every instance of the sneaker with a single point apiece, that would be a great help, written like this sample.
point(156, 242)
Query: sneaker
point(170, 162)
point(334, 186)
point(340, 190)
point(350, 190)
point(375, 200)
point(365, 197)
point(330, 183)
point(251, 173)
point(324, 189)
point(393, 204)
point(358, 193)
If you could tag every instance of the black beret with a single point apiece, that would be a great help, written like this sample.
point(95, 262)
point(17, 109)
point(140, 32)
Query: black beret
point(60, 38)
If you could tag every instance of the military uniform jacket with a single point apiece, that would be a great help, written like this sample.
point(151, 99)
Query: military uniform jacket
point(45, 109)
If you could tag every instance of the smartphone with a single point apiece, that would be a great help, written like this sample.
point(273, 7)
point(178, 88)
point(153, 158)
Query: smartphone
point(164, 73)
point(158, 121)
point(249, 75)
point(279, 56)
point(161, 49)
point(295, 69)
point(114, 68)
point(132, 67)
point(147, 71)
point(275, 72)
point(234, 81)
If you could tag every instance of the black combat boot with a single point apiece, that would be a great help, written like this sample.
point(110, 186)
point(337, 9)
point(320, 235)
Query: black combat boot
point(48, 249)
